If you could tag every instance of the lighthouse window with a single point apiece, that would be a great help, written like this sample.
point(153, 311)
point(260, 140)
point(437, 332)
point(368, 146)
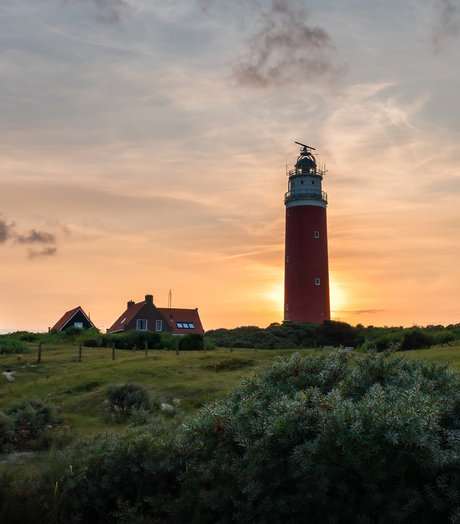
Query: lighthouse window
point(312, 182)
point(317, 281)
point(316, 234)
point(287, 307)
point(301, 181)
point(287, 213)
point(287, 258)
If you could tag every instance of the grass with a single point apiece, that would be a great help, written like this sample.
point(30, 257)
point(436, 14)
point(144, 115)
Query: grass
point(78, 389)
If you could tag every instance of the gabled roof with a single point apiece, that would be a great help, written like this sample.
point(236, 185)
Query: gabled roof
point(177, 317)
point(67, 317)
point(126, 317)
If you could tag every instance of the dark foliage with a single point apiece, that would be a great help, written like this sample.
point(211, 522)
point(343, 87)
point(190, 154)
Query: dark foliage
point(126, 398)
point(339, 438)
point(191, 342)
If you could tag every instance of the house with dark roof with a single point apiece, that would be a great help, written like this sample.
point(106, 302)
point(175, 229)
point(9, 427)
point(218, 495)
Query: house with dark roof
point(182, 321)
point(74, 318)
point(145, 316)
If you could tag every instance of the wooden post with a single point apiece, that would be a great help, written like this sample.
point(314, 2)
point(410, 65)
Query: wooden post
point(39, 353)
point(177, 345)
point(113, 350)
point(146, 345)
point(79, 353)
point(204, 344)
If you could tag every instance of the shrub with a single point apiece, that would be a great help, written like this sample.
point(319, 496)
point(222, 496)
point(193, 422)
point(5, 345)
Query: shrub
point(339, 438)
point(416, 338)
point(6, 433)
point(11, 345)
point(135, 339)
point(134, 470)
point(191, 342)
point(124, 399)
point(30, 418)
point(320, 440)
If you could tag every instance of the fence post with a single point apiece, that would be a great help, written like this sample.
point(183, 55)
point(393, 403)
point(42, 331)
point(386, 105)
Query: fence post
point(177, 345)
point(79, 353)
point(146, 345)
point(39, 353)
point(113, 350)
point(204, 344)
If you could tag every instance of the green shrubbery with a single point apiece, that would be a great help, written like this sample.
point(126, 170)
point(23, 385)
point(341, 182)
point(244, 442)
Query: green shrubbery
point(25, 424)
point(336, 438)
point(124, 399)
point(10, 344)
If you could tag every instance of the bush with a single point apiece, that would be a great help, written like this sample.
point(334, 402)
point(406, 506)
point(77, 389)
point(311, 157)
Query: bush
point(339, 438)
point(110, 472)
point(29, 419)
point(126, 398)
point(191, 342)
point(135, 340)
point(11, 345)
point(320, 440)
point(416, 338)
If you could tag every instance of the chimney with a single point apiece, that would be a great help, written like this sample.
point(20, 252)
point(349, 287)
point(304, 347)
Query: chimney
point(130, 303)
point(149, 299)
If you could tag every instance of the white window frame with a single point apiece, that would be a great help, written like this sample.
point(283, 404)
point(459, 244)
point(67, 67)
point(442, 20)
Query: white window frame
point(159, 325)
point(317, 281)
point(316, 234)
point(140, 324)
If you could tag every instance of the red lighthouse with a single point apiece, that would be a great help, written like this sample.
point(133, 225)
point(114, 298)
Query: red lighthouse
point(306, 281)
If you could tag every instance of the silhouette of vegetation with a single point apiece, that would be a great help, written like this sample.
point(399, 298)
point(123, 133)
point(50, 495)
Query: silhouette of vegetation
point(340, 437)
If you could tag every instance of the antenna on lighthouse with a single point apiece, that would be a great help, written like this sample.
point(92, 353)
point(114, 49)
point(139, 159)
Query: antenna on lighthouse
point(170, 299)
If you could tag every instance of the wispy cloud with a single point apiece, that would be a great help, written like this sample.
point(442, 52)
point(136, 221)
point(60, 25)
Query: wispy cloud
point(446, 24)
point(108, 11)
point(286, 48)
point(6, 230)
point(40, 237)
point(45, 252)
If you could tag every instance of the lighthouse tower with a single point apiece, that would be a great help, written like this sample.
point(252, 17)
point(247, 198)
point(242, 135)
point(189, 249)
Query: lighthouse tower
point(306, 283)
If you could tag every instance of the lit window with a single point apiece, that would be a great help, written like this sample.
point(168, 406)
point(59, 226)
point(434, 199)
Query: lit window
point(316, 234)
point(317, 281)
point(141, 324)
point(159, 325)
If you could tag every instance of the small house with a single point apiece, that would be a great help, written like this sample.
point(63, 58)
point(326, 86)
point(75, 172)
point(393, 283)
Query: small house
point(182, 321)
point(74, 318)
point(145, 316)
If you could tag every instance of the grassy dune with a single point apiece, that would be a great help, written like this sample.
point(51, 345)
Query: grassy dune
point(79, 389)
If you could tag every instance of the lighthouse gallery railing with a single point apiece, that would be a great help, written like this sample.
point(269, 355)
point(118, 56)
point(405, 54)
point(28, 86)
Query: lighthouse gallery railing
point(305, 194)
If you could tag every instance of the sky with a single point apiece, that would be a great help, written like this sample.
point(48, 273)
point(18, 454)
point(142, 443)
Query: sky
point(144, 144)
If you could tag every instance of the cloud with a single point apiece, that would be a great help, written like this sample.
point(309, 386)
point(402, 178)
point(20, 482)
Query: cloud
point(40, 237)
point(6, 231)
point(45, 252)
point(446, 24)
point(109, 11)
point(285, 49)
